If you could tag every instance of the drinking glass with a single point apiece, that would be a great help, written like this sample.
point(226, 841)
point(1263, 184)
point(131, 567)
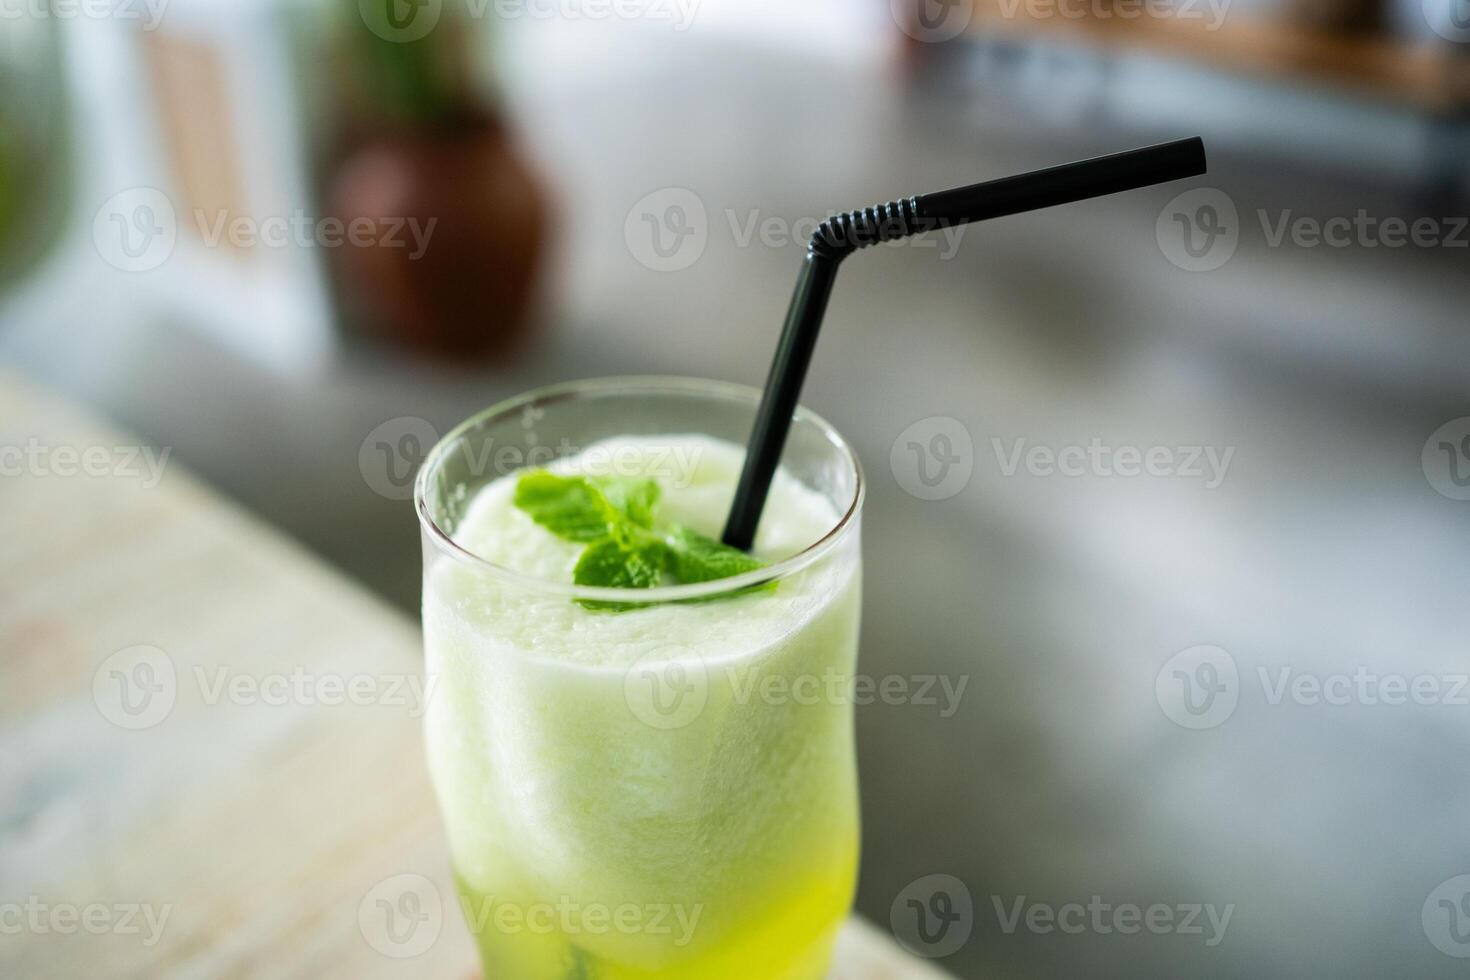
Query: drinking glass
point(667, 791)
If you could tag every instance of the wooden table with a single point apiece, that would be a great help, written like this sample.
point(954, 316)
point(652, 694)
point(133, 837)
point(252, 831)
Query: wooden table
point(158, 759)
point(1423, 74)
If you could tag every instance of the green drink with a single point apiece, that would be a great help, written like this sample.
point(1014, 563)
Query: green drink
point(655, 782)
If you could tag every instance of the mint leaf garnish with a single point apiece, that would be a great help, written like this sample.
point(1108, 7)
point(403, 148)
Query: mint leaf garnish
point(613, 564)
point(569, 507)
point(616, 518)
point(696, 558)
point(636, 498)
point(616, 564)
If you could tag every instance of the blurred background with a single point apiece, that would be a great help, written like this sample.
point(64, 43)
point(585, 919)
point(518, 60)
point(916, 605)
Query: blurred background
point(294, 239)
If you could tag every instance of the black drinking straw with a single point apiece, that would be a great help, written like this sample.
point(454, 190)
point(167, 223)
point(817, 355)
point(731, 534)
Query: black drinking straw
point(839, 236)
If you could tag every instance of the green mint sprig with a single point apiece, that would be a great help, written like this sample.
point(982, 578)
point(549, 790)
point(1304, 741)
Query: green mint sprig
point(615, 518)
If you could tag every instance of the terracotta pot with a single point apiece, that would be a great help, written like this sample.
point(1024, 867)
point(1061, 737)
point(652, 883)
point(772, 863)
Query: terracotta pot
point(1338, 16)
point(458, 278)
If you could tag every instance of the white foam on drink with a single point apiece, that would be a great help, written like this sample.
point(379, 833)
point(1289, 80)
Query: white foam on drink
point(697, 475)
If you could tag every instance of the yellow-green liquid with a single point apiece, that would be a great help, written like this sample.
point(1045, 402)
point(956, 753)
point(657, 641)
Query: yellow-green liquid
point(790, 938)
point(596, 836)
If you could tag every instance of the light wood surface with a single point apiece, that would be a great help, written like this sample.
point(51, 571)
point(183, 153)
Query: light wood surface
point(263, 832)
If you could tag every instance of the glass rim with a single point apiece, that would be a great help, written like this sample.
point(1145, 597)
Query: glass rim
point(633, 384)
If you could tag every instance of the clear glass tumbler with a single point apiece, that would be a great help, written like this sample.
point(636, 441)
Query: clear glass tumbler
point(664, 792)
